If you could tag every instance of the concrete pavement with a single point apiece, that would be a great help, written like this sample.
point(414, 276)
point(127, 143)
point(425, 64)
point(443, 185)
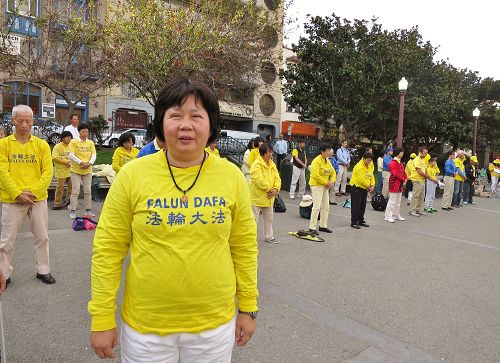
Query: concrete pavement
point(423, 290)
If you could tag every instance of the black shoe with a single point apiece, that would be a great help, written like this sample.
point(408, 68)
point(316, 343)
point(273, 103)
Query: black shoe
point(334, 203)
point(7, 281)
point(58, 207)
point(316, 233)
point(445, 208)
point(363, 224)
point(46, 279)
point(355, 226)
point(325, 229)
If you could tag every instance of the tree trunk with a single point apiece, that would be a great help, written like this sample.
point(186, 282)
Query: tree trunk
point(71, 109)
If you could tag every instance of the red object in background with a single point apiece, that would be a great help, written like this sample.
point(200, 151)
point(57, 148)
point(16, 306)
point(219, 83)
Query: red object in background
point(299, 128)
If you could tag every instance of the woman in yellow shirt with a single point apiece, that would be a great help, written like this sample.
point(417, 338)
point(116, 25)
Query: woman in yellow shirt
point(125, 151)
point(185, 218)
point(265, 183)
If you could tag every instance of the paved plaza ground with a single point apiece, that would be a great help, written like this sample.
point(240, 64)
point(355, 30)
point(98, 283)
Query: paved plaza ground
point(423, 290)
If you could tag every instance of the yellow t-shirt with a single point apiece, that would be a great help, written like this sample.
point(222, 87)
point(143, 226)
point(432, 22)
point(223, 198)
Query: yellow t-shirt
point(188, 260)
point(83, 150)
point(121, 156)
point(419, 163)
point(492, 167)
point(322, 171)
point(362, 176)
point(212, 152)
point(254, 154)
point(459, 163)
point(263, 178)
point(61, 151)
point(433, 171)
point(24, 166)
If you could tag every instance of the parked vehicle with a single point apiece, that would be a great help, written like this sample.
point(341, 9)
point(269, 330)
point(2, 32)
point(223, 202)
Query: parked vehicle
point(112, 139)
point(46, 130)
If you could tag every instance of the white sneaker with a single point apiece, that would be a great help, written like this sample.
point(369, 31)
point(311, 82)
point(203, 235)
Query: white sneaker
point(399, 218)
point(465, 203)
point(271, 240)
point(292, 197)
point(415, 214)
point(89, 213)
point(72, 214)
point(390, 220)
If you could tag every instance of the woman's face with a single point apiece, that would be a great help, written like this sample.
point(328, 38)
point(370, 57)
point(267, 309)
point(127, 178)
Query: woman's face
point(186, 129)
point(127, 145)
point(268, 155)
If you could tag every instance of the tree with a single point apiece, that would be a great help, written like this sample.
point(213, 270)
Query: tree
point(69, 55)
point(348, 75)
point(222, 42)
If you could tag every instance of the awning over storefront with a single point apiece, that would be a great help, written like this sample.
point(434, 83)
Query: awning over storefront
point(299, 128)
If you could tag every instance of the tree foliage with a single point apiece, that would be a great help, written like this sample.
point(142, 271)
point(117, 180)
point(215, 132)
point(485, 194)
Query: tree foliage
point(222, 42)
point(69, 55)
point(348, 76)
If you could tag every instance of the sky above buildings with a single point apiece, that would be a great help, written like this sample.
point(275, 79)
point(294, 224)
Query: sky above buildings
point(466, 32)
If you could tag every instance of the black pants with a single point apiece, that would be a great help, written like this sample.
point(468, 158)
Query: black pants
point(279, 159)
point(408, 188)
point(358, 204)
point(468, 192)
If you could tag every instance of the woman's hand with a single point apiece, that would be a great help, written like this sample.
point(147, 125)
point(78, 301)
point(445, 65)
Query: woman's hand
point(245, 327)
point(103, 343)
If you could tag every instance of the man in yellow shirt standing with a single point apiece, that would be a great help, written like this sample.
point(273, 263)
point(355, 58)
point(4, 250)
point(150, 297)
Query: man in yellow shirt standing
point(25, 175)
point(62, 170)
point(212, 149)
point(82, 154)
point(362, 182)
point(418, 177)
point(299, 160)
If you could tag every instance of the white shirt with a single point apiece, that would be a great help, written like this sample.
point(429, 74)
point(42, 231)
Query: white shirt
point(73, 130)
point(281, 147)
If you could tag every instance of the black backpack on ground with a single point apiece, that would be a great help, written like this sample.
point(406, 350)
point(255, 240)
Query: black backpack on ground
point(379, 202)
point(279, 205)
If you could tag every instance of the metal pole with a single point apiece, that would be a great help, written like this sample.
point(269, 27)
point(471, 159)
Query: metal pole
point(399, 141)
point(474, 139)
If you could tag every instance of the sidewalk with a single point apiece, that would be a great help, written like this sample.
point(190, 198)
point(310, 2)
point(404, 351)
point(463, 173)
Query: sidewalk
point(422, 290)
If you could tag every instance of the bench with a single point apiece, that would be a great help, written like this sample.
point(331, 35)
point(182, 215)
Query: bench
point(99, 183)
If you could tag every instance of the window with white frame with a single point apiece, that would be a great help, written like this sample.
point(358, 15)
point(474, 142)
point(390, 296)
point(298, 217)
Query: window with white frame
point(23, 7)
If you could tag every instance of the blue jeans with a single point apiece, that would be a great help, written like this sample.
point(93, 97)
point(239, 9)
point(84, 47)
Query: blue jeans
point(457, 192)
point(378, 186)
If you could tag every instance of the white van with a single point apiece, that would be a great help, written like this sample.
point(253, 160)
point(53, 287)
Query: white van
point(241, 135)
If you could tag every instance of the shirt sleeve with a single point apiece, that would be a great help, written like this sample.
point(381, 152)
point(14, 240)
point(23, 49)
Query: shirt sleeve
point(243, 245)
point(295, 152)
point(8, 184)
point(115, 161)
point(111, 244)
point(47, 169)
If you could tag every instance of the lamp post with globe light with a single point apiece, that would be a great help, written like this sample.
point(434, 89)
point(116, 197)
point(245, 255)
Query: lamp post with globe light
point(403, 85)
point(476, 114)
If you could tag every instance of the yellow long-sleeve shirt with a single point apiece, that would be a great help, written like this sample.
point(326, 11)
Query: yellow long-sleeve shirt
point(459, 163)
point(322, 172)
point(263, 178)
point(409, 168)
point(492, 167)
point(254, 154)
point(121, 156)
point(83, 150)
point(188, 260)
point(60, 153)
point(25, 166)
point(213, 152)
point(362, 176)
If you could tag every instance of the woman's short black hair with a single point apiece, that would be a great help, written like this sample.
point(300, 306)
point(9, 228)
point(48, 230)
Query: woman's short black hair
point(264, 148)
point(126, 136)
point(83, 126)
point(324, 146)
point(250, 144)
point(397, 151)
point(368, 155)
point(257, 141)
point(175, 93)
point(66, 134)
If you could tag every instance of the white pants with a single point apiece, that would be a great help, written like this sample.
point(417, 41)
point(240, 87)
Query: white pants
point(13, 216)
point(393, 205)
point(494, 183)
point(210, 346)
point(298, 175)
point(385, 183)
point(341, 179)
point(321, 203)
point(430, 193)
point(268, 216)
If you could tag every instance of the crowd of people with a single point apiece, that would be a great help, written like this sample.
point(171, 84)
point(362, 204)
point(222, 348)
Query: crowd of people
point(190, 229)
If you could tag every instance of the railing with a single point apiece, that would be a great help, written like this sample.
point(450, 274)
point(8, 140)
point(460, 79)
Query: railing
point(233, 148)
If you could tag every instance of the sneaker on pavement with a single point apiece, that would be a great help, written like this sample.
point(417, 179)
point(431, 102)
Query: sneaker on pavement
point(72, 214)
point(434, 210)
point(89, 213)
point(424, 213)
point(271, 240)
point(473, 203)
point(465, 203)
point(292, 197)
point(399, 218)
point(390, 220)
point(414, 214)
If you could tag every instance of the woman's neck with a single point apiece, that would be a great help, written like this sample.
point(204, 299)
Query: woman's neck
point(184, 162)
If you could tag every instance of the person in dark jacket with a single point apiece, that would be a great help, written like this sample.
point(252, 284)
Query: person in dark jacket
point(471, 174)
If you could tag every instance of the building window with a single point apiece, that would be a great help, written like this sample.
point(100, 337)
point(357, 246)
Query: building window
point(20, 93)
point(267, 105)
point(23, 7)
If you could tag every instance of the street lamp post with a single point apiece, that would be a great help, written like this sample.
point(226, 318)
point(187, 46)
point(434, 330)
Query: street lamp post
point(476, 114)
point(403, 85)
